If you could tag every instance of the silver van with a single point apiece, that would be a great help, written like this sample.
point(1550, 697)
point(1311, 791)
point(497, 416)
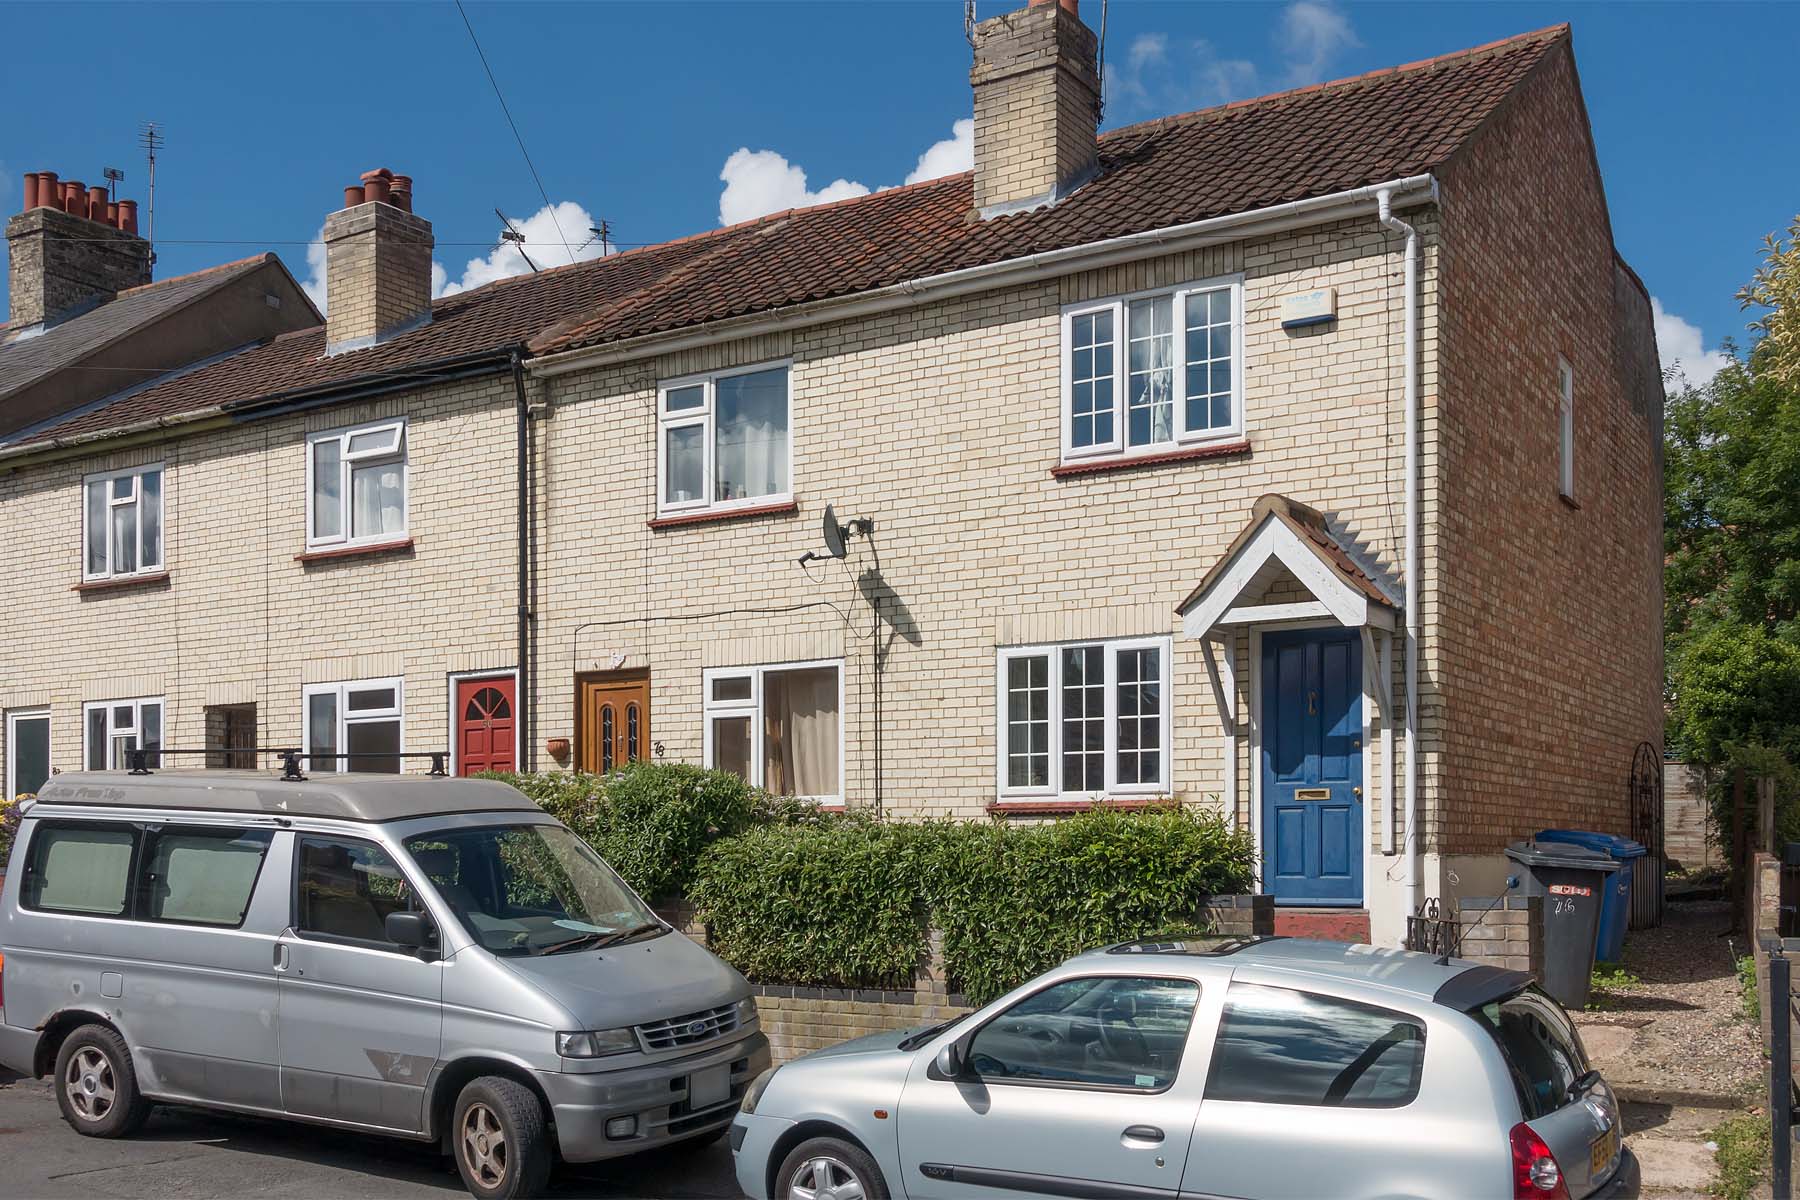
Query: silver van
point(432, 958)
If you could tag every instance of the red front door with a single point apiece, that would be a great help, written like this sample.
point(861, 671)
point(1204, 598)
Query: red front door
point(484, 724)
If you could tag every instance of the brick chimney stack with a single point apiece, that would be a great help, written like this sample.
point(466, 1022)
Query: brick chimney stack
point(1037, 106)
point(377, 264)
point(69, 249)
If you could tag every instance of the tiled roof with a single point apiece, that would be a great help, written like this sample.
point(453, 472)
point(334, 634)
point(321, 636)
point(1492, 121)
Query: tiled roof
point(27, 360)
point(1314, 141)
point(1330, 540)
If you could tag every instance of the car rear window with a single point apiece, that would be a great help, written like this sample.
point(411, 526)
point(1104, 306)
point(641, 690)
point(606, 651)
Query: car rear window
point(1281, 1046)
point(1542, 1050)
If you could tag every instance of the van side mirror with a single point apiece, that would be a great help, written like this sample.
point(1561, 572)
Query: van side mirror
point(410, 931)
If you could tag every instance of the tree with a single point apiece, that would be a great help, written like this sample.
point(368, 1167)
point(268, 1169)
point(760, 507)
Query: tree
point(1776, 288)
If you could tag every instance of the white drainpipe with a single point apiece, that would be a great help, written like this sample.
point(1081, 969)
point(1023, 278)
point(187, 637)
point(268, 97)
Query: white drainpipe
point(1409, 846)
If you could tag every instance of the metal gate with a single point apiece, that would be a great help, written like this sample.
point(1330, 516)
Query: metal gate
point(1644, 797)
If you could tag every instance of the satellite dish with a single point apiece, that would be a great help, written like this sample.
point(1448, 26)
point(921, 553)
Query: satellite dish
point(834, 534)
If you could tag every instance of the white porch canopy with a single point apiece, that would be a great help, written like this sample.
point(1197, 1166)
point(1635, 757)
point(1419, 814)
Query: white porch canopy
point(1292, 565)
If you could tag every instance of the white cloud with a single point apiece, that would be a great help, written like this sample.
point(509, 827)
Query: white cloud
point(1308, 37)
point(554, 237)
point(760, 182)
point(1682, 349)
point(951, 156)
point(544, 236)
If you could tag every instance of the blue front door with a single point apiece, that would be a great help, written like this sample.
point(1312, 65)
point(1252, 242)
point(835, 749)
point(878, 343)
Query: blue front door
point(1312, 812)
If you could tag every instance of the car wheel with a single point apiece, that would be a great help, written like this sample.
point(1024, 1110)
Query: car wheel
point(829, 1168)
point(501, 1139)
point(96, 1085)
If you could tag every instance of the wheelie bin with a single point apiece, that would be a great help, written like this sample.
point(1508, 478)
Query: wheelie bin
point(1572, 881)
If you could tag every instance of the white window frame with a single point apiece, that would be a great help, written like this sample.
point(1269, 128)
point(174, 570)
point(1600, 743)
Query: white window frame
point(1111, 648)
point(137, 704)
point(1119, 306)
point(753, 708)
point(1565, 427)
point(346, 503)
point(13, 717)
point(395, 713)
point(704, 416)
point(135, 474)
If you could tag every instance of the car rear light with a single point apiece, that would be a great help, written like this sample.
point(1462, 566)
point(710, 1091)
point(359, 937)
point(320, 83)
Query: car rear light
point(1535, 1173)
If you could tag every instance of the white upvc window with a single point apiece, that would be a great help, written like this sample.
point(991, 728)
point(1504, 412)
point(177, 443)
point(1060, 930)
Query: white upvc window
point(121, 523)
point(1565, 427)
point(110, 728)
point(1154, 371)
point(779, 727)
point(724, 440)
point(353, 726)
point(1083, 719)
point(356, 485)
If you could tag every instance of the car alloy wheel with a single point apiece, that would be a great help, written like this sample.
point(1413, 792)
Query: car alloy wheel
point(484, 1145)
point(824, 1178)
point(90, 1084)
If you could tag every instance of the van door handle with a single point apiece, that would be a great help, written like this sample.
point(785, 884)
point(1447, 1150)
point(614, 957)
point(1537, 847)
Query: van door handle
point(1143, 1133)
point(281, 956)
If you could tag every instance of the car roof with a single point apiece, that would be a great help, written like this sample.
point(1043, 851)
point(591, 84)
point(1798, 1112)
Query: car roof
point(341, 796)
point(1456, 982)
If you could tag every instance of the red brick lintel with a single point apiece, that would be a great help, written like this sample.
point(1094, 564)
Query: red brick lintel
point(312, 556)
point(123, 581)
point(783, 508)
point(1220, 450)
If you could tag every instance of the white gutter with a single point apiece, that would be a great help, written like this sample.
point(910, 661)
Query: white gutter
point(1410, 826)
point(1315, 210)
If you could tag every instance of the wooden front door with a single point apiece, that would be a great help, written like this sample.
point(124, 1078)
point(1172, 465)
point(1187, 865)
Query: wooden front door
point(615, 720)
point(486, 737)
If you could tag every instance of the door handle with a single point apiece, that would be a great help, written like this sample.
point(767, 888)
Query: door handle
point(281, 956)
point(1142, 1133)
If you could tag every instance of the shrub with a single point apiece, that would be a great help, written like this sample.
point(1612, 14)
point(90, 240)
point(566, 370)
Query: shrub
point(650, 820)
point(10, 816)
point(850, 903)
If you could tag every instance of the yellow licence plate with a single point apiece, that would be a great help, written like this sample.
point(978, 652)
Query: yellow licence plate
point(1602, 1151)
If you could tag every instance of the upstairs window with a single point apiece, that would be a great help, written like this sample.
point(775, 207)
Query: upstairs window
point(1082, 720)
point(356, 486)
point(114, 727)
point(723, 440)
point(122, 523)
point(1565, 425)
point(1153, 372)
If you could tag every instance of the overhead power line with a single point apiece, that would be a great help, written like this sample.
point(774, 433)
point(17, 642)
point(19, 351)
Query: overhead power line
point(548, 207)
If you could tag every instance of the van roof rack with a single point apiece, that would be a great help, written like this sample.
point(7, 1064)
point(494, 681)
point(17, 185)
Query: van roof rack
point(142, 762)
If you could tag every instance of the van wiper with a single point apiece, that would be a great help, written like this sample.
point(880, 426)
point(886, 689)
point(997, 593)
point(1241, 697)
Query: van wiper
point(593, 941)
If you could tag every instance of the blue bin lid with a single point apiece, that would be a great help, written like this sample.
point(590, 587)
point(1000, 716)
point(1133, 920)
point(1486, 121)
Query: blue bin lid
point(1607, 843)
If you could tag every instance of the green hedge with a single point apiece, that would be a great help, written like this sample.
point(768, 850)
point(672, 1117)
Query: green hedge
point(794, 895)
point(850, 903)
point(652, 820)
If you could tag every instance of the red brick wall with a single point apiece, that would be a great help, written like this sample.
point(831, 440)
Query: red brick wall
point(1551, 663)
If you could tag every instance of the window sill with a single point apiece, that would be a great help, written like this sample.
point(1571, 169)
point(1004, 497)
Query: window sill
point(336, 552)
point(778, 509)
point(1041, 808)
point(1188, 454)
point(121, 582)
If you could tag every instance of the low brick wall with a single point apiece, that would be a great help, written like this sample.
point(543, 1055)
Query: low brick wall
point(1503, 931)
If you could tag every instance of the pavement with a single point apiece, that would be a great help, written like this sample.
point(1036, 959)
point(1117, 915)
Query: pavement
point(199, 1155)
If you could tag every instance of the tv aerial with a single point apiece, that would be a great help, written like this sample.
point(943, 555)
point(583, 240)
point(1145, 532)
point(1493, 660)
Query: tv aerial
point(837, 536)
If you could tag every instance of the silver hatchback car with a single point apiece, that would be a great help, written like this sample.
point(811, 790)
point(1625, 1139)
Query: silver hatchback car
point(1271, 1068)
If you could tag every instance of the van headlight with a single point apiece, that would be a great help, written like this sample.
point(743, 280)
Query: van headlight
point(746, 1011)
point(758, 1086)
point(595, 1043)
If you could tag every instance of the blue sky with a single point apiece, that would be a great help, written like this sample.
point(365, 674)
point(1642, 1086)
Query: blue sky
point(664, 118)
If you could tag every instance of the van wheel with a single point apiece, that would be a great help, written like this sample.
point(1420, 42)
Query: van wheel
point(829, 1166)
point(501, 1139)
point(96, 1085)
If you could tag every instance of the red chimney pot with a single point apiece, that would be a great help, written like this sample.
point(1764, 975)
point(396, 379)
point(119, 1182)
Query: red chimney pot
point(375, 188)
point(128, 216)
point(74, 197)
point(49, 194)
point(96, 209)
point(112, 213)
point(31, 200)
point(353, 196)
point(1072, 7)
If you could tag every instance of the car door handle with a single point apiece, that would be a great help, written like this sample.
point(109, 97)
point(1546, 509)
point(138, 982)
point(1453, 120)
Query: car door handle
point(1143, 1133)
point(281, 956)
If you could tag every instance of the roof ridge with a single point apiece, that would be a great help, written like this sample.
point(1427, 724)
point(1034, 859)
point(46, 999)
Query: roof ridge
point(264, 257)
point(1548, 33)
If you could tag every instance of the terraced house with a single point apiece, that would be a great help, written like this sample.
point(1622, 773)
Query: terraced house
point(1297, 458)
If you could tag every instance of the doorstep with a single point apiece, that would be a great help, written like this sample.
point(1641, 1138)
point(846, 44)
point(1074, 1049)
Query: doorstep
point(1326, 924)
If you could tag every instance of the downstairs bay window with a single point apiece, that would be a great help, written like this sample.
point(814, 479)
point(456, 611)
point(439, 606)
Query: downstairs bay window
point(1083, 720)
point(723, 440)
point(780, 728)
point(1153, 372)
